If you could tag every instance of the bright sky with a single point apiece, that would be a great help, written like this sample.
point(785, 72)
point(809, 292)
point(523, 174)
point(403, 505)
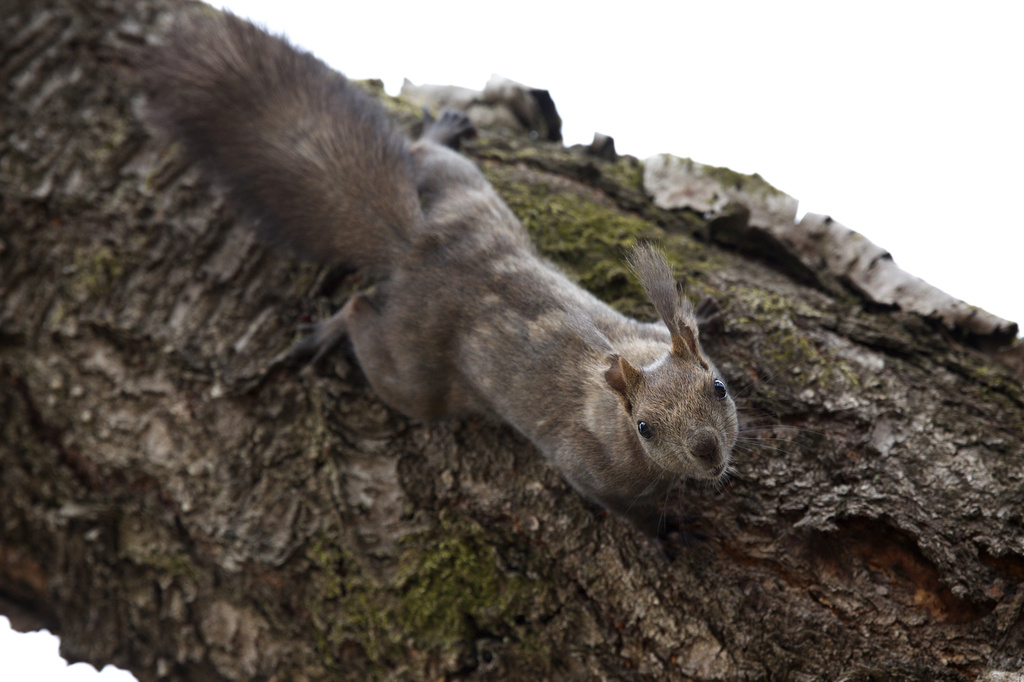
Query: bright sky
point(900, 120)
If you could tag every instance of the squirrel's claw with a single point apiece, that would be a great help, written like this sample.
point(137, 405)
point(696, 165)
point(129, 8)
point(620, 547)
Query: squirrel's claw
point(449, 129)
point(324, 338)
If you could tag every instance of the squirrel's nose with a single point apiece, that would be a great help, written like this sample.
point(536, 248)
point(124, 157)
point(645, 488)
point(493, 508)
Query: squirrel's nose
point(705, 447)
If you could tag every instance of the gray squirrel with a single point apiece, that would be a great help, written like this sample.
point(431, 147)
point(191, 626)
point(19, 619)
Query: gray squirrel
point(466, 317)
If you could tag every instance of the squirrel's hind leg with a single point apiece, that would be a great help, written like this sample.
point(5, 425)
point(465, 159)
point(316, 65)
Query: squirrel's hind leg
point(367, 329)
point(372, 335)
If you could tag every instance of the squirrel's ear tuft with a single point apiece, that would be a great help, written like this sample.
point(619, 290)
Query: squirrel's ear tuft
point(624, 379)
point(655, 274)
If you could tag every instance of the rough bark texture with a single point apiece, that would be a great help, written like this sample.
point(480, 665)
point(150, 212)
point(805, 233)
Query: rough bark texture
point(176, 504)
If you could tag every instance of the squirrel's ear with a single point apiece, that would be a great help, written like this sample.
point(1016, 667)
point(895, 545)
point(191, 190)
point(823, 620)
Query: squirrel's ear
point(624, 379)
point(683, 329)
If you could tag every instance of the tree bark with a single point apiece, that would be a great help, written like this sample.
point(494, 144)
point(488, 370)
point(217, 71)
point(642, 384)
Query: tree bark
point(177, 503)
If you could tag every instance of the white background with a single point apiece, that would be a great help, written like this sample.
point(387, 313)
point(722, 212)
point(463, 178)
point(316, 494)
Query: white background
point(901, 120)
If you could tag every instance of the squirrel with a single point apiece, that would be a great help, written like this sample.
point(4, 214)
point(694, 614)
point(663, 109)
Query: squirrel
point(465, 317)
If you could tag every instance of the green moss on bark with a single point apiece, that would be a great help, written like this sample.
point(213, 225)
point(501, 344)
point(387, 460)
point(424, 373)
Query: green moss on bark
point(589, 238)
point(95, 272)
point(450, 589)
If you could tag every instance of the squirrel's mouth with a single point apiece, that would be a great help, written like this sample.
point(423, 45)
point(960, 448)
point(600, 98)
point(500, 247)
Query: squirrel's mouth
point(691, 467)
point(713, 473)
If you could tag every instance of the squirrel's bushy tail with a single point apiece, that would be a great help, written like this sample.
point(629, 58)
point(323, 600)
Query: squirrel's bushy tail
point(309, 157)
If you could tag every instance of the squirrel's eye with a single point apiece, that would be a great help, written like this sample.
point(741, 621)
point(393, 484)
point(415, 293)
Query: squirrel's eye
point(720, 391)
point(646, 432)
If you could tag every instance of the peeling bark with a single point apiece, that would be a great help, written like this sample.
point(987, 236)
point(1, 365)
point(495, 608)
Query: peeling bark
point(749, 213)
point(177, 504)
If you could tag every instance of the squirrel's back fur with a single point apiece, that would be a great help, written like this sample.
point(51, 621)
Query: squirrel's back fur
point(466, 317)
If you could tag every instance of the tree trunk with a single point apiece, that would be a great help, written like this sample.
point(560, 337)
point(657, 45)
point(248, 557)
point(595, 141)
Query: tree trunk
point(177, 503)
